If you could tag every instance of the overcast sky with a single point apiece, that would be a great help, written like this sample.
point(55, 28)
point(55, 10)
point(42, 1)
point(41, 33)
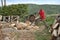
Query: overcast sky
point(9, 2)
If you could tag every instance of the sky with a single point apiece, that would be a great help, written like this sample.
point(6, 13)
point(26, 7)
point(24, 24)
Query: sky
point(39, 2)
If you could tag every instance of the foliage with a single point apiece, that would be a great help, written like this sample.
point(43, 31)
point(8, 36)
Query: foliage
point(49, 9)
point(20, 10)
point(24, 10)
point(50, 20)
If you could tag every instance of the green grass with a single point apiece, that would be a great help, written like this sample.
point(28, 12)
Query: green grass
point(44, 35)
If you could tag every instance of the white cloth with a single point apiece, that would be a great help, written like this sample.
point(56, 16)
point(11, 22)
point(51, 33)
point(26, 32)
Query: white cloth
point(55, 30)
point(55, 26)
point(59, 30)
point(33, 23)
point(55, 33)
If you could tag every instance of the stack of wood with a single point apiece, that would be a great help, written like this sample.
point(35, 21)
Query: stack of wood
point(27, 25)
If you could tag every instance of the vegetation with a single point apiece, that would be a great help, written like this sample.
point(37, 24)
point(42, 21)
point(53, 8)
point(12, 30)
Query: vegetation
point(44, 35)
point(49, 9)
point(29, 8)
point(24, 10)
point(14, 10)
point(20, 10)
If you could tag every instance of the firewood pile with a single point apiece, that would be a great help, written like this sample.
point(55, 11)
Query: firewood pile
point(26, 26)
point(20, 26)
point(17, 31)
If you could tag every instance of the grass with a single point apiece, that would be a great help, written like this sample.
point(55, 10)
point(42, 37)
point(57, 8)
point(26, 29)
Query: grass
point(44, 35)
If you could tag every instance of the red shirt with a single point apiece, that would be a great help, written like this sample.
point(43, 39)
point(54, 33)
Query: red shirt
point(42, 14)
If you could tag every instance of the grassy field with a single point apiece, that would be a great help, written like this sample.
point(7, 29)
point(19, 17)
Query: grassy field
point(45, 35)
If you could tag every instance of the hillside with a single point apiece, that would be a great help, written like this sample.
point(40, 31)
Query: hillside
point(49, 9)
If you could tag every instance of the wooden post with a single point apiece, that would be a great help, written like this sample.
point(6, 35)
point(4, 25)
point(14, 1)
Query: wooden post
point(2, 3)
point(6, 20)
point(15, 19)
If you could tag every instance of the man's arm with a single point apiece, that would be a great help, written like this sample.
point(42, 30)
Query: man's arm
point(55, 26)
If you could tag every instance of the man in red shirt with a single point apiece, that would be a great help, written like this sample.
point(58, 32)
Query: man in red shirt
point(42, 16)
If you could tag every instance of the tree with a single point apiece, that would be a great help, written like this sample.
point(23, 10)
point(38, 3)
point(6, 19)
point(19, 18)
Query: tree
point(20, 10)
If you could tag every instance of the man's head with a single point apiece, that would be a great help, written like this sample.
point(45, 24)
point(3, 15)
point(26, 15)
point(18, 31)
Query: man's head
point(32, 18)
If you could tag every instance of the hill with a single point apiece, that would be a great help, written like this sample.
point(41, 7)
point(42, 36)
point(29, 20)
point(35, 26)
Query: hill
point(49, 9)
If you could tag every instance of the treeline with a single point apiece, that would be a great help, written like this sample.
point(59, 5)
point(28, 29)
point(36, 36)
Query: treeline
point(14, 10)
point(23, 9)
point(18, 9)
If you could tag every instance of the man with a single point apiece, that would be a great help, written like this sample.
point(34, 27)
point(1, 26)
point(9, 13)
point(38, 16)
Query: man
point(43, 17)
point(56, 29)
point(32, 19)
point(42, 14)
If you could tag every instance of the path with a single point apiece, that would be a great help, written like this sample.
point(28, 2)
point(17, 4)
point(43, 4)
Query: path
point(12, 34)
point(18, 34)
